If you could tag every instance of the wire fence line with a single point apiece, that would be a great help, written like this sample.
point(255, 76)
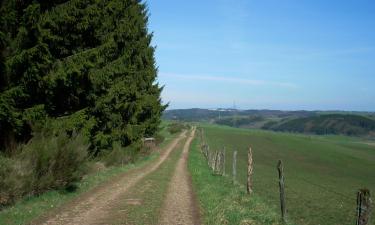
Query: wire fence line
point(361, 212)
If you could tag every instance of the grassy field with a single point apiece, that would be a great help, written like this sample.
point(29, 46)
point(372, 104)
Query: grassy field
point(322, 173)
point(223, 202)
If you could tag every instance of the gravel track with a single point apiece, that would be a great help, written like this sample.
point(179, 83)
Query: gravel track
point(180, 206)
point(94, 206)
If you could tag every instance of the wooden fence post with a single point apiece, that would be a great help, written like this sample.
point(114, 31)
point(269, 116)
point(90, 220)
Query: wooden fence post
point(205, 151)
point(280, 168)
point(249, 171)
point(208, 156)
point(217, 162)
point(223, 173)
point(234, 166)
point(363, 207)
point(212, 161)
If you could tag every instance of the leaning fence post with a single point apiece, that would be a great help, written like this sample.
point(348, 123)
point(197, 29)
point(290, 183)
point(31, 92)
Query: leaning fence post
point(280, 168)
point(234, 166)
point(363, 206)
point(223, 162)
point(249, 171)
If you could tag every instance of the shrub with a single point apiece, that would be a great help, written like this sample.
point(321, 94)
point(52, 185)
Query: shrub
point(5, 183)
point(120, 155)
point(159, 139)
point(45, 163)
point(12, 180)
point(54, 162)
point(176, 127)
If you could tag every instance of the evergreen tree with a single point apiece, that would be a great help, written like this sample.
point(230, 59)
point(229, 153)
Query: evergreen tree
point(87, 63)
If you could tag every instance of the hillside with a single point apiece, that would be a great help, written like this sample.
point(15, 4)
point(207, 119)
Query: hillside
point(197, 114)
point(327, 124)
point(310, 122)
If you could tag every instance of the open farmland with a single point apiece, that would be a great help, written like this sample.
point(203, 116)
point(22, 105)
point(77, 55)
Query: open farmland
point(322, 173)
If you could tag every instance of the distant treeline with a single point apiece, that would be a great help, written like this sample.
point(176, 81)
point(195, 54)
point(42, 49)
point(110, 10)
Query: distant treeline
point(197, 114)
point(311, 122)
point(327, 124)
point(237, 121)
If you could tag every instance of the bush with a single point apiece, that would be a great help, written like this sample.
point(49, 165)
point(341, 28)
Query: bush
point(11, 186)
point(176, 127)
point(54, 162)
point(45, 163)
point(120, 155)
point(159, 139)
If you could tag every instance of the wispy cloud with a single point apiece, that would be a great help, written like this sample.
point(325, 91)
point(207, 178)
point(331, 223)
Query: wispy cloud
point(236, 80)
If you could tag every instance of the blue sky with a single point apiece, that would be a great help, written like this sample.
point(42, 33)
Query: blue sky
point(266, 54)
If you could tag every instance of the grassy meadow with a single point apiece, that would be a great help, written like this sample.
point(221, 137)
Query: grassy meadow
point(322, 173)
point(223, 202)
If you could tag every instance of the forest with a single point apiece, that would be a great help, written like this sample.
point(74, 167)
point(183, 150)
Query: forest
point(77, 82)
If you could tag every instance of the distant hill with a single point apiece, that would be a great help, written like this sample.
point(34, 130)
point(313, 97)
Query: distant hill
point(312, 122)
point(327, 124)
point(197, 114)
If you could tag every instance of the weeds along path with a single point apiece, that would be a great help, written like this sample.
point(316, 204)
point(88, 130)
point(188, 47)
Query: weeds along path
point(180, 207)
point(94, 206)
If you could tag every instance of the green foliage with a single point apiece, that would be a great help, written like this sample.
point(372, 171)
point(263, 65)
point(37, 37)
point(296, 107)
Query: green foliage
point(176, 127)
point(45, 163)
point(89, 62)
point(159, 138)
point(197, 114)
point(236, 121)
point(28, 209)
point(120, 155)
point(55, 162)
point(11, 184)
point(328, 124)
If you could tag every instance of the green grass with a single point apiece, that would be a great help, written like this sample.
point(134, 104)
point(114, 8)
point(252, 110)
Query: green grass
point(322, 173)
point(150, 192)
point(28, 209)
point(223, 202)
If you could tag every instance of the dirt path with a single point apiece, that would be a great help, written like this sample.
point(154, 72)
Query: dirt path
point(95, 205)
point(180, 207)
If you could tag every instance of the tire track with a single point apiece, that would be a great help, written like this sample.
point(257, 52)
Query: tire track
point(93, 206)
point(180, 206)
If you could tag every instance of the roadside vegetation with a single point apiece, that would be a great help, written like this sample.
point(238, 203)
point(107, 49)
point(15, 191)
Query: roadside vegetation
point(176, 127)
point(225, 202)
point(77, 86)
point(322, 173)
point(95, 173)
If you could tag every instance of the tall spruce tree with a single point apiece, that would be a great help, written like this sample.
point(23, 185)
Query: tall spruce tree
point(87, 63)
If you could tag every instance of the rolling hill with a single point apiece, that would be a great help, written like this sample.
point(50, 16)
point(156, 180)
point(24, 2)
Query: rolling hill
point(327, 124)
